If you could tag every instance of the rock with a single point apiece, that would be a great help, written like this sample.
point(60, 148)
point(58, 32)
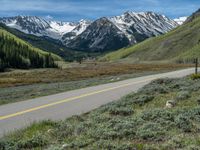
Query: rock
point(170, 104)
point(50, 131)
point(65, 146)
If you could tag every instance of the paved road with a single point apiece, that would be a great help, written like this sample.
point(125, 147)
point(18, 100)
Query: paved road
point(60, 106)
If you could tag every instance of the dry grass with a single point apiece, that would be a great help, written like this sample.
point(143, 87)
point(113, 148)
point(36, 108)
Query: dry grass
point(79, 72)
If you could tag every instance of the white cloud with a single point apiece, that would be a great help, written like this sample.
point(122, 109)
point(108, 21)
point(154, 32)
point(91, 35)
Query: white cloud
point(48, 17)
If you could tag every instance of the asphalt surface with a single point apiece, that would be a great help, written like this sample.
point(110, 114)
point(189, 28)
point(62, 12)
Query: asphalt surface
point(61, 106)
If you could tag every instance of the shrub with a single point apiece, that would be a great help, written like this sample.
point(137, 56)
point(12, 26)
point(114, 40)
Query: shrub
point(194, 114)
point(154, 89)
point(164, 81)
point(123, 111)
point(63, 130)
point(80, 142)
point(125, 128)
point(195, 76)
point(104, 144)
point(175, 142)
point(150, 131)
point(81, 128)
point(157, 114)
point(38, 140)
point(181, 84)
point(8, 145)
point(103, 132)
point(183, 122)
point(143, 99)
point(183, 95)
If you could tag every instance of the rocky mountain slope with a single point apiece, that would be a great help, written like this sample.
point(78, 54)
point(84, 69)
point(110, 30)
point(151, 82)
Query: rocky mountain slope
point(100, 35)
point(38, 26)
point(120, 31)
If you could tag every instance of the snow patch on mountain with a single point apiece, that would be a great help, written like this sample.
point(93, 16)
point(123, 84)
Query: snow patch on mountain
point(148, 23)
point(180, 20)
point(62, 27)
point(40, 27)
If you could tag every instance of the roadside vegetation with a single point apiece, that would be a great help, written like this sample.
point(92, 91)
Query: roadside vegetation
point(139, 120)
point(18, 85)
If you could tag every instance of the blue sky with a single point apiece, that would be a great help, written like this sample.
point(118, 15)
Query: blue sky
point(74, 10)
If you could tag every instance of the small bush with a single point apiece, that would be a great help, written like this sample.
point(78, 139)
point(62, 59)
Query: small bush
point(194, 114)
point(143, 99)
point(157, 114)
point(183, 95)
point(103, 132)
point(150, 131)
point(195, 76)
point(154, 89)
point(123, 111)
point(81, 128)
point(125, 128)
point(8, 145)
point(63, 130)
point(80, 142)
point(183, 122)
point(37, 140)
point(109, 145)
point(165, 81)
point(175, 142)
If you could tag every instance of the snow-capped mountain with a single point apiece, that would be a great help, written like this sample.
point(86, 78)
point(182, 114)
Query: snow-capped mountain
point(62, 27)
point(147, 24)
point(117, 32)
point(102, 34)
point(180, 20)
point(80, 27)
point(38, 26)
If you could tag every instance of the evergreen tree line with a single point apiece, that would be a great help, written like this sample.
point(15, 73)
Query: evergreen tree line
point(15, 54)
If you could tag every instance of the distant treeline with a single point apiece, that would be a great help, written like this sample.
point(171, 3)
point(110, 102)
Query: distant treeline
point(17, 54)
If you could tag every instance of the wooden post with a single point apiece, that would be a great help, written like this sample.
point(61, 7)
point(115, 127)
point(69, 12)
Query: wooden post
point(196, 66)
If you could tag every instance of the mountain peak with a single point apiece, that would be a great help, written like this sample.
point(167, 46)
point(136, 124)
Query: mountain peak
point(180, 20)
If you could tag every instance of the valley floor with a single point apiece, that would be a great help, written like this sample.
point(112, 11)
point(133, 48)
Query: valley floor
point(18, 85)
point(137, 121)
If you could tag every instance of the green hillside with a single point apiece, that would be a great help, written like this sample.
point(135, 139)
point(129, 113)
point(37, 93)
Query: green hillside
point(181, 44)
point(16, 53)
point(48, 45)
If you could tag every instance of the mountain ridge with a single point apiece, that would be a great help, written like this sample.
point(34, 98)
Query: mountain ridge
point(135, 27)
point(179, 45)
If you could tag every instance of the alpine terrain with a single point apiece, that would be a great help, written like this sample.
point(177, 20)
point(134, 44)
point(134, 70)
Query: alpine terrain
point(181, 45)
point(106, 33)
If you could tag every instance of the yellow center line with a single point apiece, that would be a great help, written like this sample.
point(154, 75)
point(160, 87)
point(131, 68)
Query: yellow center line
point(70, 99)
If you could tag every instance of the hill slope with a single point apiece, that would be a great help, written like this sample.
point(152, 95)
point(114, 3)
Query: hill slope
point(181, 44)
point(16, 53)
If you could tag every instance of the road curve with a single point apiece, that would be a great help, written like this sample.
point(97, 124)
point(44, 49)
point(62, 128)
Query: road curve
point(61, 106)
